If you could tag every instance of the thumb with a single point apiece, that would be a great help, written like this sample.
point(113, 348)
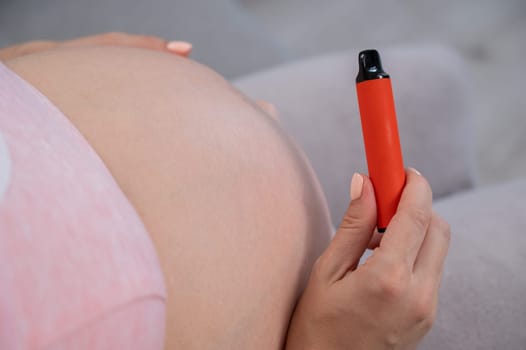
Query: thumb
point(355, 231)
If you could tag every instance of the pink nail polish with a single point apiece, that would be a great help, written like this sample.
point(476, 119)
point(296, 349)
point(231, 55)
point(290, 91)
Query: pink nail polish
point(179, 46)
point(356, 186)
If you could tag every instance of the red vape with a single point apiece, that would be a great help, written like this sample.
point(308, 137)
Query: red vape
point(380, 135)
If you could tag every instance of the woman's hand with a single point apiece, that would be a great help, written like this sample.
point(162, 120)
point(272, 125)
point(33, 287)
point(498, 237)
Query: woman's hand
point(180, 48)
point(390, 301)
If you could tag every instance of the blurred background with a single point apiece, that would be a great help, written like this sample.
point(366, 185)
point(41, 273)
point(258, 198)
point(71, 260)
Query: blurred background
point(237, 37)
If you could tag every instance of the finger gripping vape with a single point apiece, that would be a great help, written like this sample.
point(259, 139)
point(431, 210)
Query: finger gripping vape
point(380, 135)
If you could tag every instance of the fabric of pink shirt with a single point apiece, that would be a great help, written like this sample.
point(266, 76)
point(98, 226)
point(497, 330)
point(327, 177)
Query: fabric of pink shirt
point(77, 268)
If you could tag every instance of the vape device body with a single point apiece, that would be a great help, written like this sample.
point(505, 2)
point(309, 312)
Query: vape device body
point(380, 134)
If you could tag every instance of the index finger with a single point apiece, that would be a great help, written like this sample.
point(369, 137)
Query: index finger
point(31, 47)
point(149, 42)
point(406, 231)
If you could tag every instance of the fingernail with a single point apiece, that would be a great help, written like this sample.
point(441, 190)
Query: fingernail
point(356, 186)
point(179, 46)
point(415, 171)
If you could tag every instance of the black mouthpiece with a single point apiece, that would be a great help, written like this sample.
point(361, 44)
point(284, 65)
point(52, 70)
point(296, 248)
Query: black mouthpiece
point(370, 66)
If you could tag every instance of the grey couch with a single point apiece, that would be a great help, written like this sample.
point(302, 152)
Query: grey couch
point(483, 296)
point(264, 43)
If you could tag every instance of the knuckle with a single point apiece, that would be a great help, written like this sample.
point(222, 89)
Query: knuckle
point(352, 220)
point(428, 323)
point(393, 283)
point(424, 312)
point(419, 217)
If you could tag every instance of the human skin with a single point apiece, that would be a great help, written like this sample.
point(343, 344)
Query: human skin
point(181, 48)
point(235, 211)
point(388, 302)
point(232, 206)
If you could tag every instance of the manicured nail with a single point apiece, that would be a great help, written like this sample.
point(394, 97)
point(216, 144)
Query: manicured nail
point(356, 186)
point(415, 171)
point(179, 46)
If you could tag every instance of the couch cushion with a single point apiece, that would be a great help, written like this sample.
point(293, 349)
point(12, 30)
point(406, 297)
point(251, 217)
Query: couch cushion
point(483, 293)
point(317, 102)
